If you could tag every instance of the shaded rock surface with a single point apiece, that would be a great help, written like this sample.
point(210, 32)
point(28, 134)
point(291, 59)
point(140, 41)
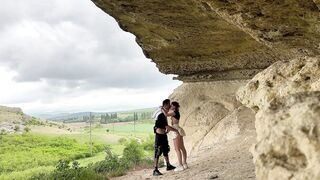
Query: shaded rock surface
point(211, 114)
point(286, 97)
point(218, 40)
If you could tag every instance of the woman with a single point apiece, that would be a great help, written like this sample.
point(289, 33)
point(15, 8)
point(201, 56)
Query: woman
point(178, 137)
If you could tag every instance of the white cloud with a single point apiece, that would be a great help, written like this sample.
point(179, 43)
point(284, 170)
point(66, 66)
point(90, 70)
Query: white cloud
point(69, 55)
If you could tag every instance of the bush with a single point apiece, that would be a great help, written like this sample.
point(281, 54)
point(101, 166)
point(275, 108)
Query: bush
point(110, 164)
point(62, 165)
point(133, 153)
point(26, 129)
point(64, 172)
point(16, 128)
point(148, 144)
point(34, 121)
point(122, 140)
point(3, 132)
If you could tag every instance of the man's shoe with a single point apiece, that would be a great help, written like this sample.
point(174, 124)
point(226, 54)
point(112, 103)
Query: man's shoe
point(170, 167)
point(156, 172)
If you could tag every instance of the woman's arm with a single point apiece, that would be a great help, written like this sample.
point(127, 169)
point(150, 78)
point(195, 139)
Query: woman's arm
point(169, 113)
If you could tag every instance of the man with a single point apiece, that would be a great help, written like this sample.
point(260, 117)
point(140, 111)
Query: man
point(161, 144)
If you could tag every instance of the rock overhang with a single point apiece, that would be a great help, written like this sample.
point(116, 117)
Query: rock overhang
point(219, 39)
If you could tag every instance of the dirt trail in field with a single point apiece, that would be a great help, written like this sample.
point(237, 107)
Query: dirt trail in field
point(229, 161)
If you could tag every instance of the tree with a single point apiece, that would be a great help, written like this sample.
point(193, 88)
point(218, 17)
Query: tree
point(103, 119)
point(26, 129)
point(135, 116)
point(16, 128)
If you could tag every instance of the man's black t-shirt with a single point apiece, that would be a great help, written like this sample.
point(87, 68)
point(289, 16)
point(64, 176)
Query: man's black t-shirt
point(161, 121)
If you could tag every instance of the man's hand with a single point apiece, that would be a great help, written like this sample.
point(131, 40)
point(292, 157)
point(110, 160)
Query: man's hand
point(169, 128)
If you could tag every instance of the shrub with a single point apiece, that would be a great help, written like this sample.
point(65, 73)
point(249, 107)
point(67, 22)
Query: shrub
point(122, 140)
point(75, 165)
point(133, 153)
point(34, 121)
point(26, 129)
point(3, 132)
point(62, 165)
point(148, 144)
point(110, 164)
point(64, 172)
point(16, 128)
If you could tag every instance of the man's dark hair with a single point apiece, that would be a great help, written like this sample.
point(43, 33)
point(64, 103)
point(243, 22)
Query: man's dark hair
point(165, 102)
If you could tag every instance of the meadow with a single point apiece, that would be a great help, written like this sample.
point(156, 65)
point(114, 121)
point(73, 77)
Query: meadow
point(38, 151)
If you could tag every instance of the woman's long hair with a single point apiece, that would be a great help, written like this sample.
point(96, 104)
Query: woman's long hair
point(176, 105)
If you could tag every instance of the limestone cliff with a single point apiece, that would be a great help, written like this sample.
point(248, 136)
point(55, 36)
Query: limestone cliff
point(210, 113)
point(286, 97)
point(213, 39)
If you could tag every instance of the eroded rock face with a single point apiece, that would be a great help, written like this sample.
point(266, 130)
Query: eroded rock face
point(286, 97)
point(281, 79)
point(219, 40)
point(211, 114)
point(289, 138)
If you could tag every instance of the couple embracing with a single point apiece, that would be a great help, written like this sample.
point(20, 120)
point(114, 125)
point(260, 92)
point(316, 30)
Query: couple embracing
point(161, 129)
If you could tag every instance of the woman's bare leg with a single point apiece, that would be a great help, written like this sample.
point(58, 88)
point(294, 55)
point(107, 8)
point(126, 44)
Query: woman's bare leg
point(183, 149)
point(177, 143)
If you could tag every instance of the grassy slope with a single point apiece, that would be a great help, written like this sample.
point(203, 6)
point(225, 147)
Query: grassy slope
point(80, 136)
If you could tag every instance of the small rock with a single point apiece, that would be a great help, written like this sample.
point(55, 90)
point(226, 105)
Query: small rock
point(213, 176)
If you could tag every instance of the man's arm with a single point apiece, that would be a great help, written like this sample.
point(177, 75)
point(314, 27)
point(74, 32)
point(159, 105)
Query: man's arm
point(168, 113)
point(169, 128)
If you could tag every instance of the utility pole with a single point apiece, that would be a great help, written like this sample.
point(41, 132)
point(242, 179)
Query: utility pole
point(135, 115)
point(113, 125)
point(90, 135)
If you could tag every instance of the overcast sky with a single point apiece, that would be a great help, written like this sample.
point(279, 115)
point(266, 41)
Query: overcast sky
point(69, 56)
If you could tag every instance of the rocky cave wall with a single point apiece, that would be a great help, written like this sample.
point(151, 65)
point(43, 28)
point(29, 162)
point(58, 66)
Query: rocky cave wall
point(210, 113)
point(205, 40)
point(214, 46)
point(286, 98)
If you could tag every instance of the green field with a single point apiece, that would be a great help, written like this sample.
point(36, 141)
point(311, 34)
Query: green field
point(23, 155)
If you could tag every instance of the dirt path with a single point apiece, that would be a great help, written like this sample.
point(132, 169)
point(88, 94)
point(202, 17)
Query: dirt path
point(229, 161)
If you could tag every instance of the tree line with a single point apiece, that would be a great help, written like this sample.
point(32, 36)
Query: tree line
point(113, 117)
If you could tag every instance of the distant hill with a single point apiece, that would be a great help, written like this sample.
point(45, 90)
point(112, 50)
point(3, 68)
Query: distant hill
point(144, 113)
point(12, 115)
point(62, 116)
point(11, 118)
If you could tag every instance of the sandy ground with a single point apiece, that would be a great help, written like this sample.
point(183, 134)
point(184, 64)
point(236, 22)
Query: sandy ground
point(230, 160)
